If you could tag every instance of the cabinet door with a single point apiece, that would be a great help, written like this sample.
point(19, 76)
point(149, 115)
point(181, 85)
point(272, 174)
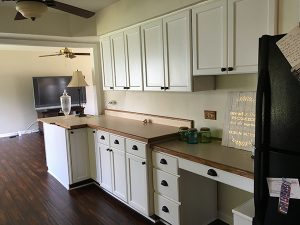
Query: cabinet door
point(137, 181)
point(133, 58)
point(248, 20)
point(106, 168)
point(119, 174)
point(79, 152)
point(93, 153)
point(177, 51)
point(118, 60)
point(209, 21)
point(106, 63)
point(153, 55)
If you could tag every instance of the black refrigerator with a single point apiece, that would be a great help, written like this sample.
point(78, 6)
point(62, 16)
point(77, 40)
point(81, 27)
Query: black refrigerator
point(277, 132)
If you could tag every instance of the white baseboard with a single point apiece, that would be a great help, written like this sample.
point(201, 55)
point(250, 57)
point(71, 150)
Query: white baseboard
point(225, 217)
point(19, 133)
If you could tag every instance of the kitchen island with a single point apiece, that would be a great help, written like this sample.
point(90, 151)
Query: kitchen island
point(144, 165)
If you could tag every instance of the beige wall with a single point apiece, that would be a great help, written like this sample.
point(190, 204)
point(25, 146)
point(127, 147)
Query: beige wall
point(53, 24)
point(16, 91)
point(185, 105)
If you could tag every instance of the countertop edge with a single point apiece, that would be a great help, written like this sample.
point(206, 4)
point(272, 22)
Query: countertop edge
point(206, 162)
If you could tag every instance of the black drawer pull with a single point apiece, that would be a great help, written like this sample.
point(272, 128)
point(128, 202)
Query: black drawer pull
point(116, 142)
point(94, 131)
point(164, 183)
point(102, 137)
point(165, 209)
point(230, 68)
point(212, 172)
point(162, 88)
point(163, 161)
point(143, 163)
point(111, 88)
point(72, 132)
point(223, 69)
point(135, 148)
point(166, 88)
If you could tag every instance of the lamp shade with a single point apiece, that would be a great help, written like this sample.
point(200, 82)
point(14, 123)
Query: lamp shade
point(77, 80)
point(31, 9)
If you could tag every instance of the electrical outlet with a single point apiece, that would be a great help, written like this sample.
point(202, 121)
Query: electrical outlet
point(210, 115)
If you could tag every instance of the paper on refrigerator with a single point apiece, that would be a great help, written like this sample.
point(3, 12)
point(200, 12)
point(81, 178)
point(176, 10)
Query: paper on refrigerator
point(274, 185)
point(289, 45)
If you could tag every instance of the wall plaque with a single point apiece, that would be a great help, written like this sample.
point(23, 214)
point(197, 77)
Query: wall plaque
point(239, 124)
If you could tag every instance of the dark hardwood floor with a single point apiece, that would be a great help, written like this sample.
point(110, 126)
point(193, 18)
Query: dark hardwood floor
point(29, 195)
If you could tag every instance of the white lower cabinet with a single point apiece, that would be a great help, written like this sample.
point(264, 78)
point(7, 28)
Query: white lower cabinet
point(119, 174)
point(244, 214)
point(122, 163)
point(137, 181)
point(67, 154)
point(106, 167)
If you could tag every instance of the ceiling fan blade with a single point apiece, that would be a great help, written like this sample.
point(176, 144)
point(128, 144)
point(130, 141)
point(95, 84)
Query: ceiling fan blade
point(81, 54)
point(50, 55)
point(19, 16)
point(71, 9)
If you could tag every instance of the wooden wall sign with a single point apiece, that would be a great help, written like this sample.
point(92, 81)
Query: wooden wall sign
point(239, 124)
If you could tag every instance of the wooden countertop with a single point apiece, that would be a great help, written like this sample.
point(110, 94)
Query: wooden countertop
point(211, 154)
point(126, 127)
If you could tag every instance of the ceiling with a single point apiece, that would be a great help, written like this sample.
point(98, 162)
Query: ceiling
point(92, 5)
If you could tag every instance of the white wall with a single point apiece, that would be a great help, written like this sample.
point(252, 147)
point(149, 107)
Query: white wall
point(16, 91)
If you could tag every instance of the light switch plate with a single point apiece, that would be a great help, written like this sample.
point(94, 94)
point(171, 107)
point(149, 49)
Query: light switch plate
point(210, 115)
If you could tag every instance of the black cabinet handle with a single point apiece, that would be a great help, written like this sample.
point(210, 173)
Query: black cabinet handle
point(223, 69)
point(94, 131)
point(143, 163)
point(162, 88)
point(108, 149)
point(102, 137)
point(165, 209)
point(134, 148)
point(124, 88)
point(128, 88)
point(72, 132)
point(111, 88)
point(166, 88)
point(212, 172)
point(116, 142)
point(163, 161)
point(164, 183)
point(230, 68)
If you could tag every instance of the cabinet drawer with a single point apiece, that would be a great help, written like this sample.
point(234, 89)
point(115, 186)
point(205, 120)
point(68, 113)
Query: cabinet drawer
point(166, 184)
point(165, 162)
point(231, 179)
point(117, 142)
point(166, 209)
point(102, 137)
point(136, 148)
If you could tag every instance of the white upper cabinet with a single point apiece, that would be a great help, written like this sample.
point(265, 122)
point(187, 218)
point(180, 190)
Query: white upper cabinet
point(226, 33)
point(106, 63)
point(177, 51)
point(133, 58)
point(153, 55)
point(248, 20)
point(210, 38)
point(118, 60)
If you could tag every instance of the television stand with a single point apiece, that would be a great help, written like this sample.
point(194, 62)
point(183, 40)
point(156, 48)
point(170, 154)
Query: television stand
point(55, 112)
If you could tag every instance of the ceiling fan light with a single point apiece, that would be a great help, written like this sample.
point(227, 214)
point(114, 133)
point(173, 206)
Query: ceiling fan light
point(31, 9)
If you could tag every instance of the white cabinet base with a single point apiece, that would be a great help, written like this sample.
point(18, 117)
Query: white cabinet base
point(243, 215)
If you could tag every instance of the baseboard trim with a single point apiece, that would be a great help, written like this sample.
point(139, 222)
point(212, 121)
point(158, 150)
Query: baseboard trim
point(18, 133)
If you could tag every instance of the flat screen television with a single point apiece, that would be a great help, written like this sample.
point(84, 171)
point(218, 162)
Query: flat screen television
point(47, 92)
